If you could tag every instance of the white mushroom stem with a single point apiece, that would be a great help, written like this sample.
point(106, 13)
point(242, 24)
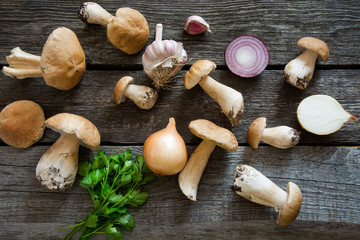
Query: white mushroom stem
point(280, 137)
point(190, 176)
point(58, 166)
point(230, 100)
point(143, 96)
point(299, 71)
point(91, 12)
point(22, 65)
point(254, 186)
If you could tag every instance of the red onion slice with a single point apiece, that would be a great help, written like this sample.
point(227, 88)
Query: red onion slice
point(246, 56)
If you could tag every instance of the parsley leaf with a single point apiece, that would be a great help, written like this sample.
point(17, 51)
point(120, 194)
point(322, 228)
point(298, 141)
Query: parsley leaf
point(112, 233)
point(91, 221)
point(84, 168)
point(125, 221)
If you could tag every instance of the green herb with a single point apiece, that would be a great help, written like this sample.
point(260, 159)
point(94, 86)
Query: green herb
point(113, 183)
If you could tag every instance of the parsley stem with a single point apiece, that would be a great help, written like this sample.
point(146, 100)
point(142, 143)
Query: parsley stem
point(81, 223)
point(97, 229)
point(70, 234)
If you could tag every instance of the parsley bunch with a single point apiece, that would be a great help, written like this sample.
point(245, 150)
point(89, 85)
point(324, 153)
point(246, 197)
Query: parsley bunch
point(113, 183)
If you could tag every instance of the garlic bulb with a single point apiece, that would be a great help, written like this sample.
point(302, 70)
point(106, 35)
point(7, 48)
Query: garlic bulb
point(195, 25)
point(322, 114)
point(163, 59)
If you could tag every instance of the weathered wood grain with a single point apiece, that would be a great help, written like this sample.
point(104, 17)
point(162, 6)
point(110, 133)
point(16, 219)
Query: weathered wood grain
point(327, 177)
point(267, 95)
point(279, 23)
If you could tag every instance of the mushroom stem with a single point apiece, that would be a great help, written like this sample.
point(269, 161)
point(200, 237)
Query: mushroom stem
point(158, 32)
point(91, 12)
point(143, 96)
point(230, 100)
point(254, 186)
point(22, 64)
point(280, 137)
point(190, 176)
point(58, 166)
point(300, 70)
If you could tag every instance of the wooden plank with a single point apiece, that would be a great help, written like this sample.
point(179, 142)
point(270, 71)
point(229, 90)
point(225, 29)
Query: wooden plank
point(297, 165)
point(27, 25)
point(267, 95)
point(252, 229)
point(327, 177)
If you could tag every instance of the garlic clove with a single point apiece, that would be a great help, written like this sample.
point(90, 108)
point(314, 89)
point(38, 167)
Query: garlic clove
point(322, 114)
point(196, 25)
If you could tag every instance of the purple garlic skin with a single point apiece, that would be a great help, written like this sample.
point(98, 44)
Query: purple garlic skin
point(195, 25)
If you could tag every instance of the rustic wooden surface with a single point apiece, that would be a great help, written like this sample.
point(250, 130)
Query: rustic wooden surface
point(326, 168)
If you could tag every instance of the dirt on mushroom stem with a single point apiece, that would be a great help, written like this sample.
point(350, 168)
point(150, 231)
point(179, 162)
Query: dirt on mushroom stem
point(235, 120)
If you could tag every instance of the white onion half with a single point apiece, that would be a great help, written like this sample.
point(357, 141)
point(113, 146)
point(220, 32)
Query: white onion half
point(246, 56)
point(322, 114)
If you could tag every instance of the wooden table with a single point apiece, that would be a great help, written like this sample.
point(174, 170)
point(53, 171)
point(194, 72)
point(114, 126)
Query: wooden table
point(326, 168)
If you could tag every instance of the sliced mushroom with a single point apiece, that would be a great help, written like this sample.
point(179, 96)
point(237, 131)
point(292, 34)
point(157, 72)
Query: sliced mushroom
point(62, 62)
point(230, 100)
point(57, 168)
point(254, 186)
point(300, 70)
point(22, 123)
point(212, 136)
point(143, 96)
point(280, 137)
point(128, 30)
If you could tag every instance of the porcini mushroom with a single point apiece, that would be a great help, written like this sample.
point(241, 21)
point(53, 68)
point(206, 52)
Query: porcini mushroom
point(22, 123)
point(299, 71)
point(143, 96)
point(230, 100)
point(58, 166)
point(280, 137)
point(128, 30)
point(254, 186)
point(212, 136)
point(62, 62)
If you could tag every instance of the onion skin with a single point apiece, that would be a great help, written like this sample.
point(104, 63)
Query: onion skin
point(165, 151)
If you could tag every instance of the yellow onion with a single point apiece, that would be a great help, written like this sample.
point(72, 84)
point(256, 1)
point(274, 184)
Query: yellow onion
point(165, 151)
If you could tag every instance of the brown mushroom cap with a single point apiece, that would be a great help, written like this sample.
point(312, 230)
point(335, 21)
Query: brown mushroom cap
point(62, 60)
point(128, 31)
point(120, 88)
point(292, 207)
point(198, 70)
point(209, 131)
point(22, 123)
point(315, 45)
point(255, 131)
point(84, 130)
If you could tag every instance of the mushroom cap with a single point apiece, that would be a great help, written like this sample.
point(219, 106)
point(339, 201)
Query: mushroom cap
point(62, 60)
point(316, 45)
point(255, 131)
point(120, 88)
point(22, 123)
point(209, 131)
point(128, 31)
point(198, 70)
point(292, 207)
point(84, 130)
